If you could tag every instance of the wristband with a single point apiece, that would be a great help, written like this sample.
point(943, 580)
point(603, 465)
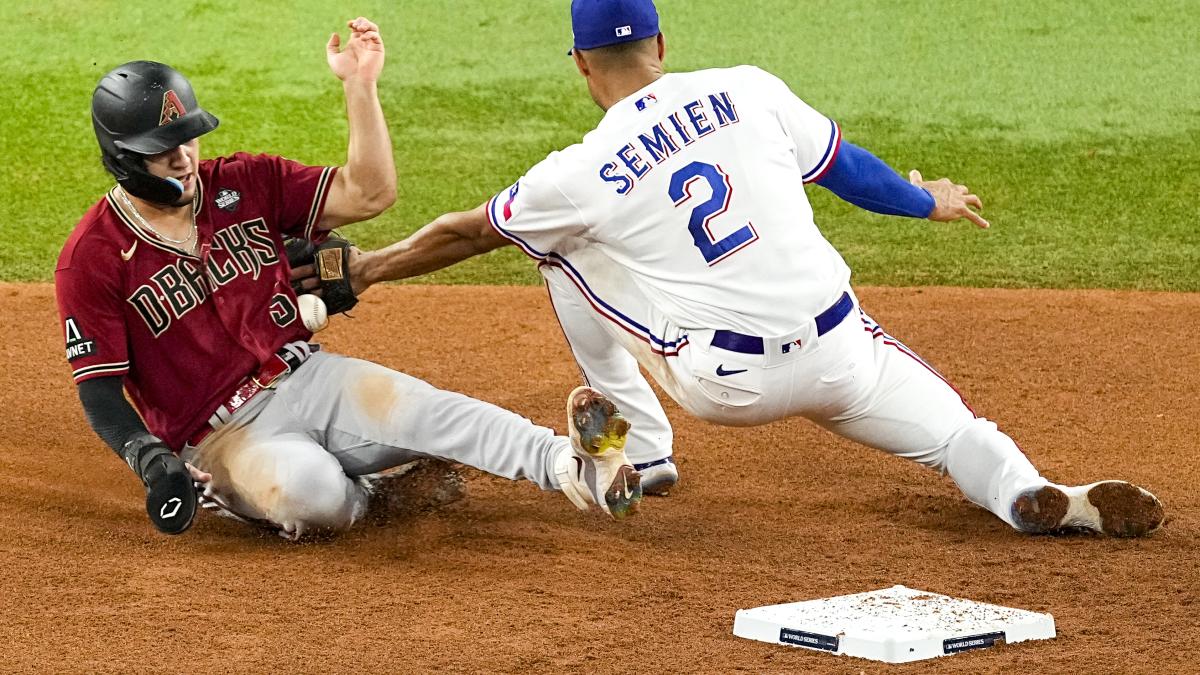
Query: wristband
point(139, 453)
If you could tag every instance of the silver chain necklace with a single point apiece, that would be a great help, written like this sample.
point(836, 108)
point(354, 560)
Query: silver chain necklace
point(146, 224)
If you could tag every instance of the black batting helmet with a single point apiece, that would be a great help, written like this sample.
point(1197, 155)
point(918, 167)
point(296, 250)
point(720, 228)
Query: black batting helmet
point(143, 108)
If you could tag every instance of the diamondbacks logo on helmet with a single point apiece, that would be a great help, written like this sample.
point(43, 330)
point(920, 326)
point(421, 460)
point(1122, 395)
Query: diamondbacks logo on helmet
point(172, 108)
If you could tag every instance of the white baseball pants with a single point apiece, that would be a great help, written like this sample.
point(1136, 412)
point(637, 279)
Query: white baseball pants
point(854, 380)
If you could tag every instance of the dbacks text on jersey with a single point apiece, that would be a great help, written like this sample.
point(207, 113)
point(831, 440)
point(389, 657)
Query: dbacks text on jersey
point(181, 286)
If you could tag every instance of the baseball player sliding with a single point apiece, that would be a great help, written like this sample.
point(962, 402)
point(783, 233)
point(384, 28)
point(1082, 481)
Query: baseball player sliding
point(677, 236)
point(173, 288)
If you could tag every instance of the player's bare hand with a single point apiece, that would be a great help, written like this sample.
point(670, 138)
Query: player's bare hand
point(200, 478)
point(204, 488)
point(951, 201)
point(363, 55)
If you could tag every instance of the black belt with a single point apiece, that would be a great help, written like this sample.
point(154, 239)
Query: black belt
point(750, 344)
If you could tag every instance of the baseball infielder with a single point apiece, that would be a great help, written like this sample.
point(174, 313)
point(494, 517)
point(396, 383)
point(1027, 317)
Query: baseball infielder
point(173, 287)
point(677, 236)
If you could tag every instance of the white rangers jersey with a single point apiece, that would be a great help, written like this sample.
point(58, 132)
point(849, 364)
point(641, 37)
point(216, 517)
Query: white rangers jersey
point(695, 185)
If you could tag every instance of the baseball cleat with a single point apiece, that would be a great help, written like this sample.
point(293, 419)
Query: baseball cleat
point(1113, 507)
point(658, 477)
point(595, 469)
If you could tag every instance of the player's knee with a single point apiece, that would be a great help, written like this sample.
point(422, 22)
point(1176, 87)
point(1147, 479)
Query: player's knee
point(315, 494)
point(940, 453)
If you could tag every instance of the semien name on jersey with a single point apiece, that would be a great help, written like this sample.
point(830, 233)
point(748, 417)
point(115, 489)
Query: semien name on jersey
point(690, 123)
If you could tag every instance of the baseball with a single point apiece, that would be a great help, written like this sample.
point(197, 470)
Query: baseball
point(312, 311)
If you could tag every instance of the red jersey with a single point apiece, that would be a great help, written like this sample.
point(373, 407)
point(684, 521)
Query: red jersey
point(185, 330)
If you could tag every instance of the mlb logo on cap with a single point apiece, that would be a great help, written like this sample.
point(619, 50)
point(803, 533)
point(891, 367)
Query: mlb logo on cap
point(600, 23)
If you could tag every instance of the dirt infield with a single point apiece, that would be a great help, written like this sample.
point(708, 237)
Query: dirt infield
point(1092, 384)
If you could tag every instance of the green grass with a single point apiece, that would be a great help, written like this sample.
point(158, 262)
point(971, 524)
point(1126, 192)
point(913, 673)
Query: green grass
point(1077, 123)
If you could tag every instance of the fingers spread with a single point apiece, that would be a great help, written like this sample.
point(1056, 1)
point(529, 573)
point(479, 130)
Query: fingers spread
point(973, 200)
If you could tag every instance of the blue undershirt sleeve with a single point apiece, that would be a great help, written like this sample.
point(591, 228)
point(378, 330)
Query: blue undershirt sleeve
point(864, 180)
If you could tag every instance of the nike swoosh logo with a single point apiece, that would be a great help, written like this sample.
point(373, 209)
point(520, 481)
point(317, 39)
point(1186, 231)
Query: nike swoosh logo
point(722, 372)
point(126, 255)
point(625, 482)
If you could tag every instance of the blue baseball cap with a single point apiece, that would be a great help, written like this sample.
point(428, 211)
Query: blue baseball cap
point(600, 23)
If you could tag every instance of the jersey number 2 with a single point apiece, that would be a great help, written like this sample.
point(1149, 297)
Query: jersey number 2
point(714, 250)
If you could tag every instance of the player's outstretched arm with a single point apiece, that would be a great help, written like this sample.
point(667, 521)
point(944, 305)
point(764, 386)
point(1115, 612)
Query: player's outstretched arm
point(366, 185)
point(861, 178)
point(450, 239)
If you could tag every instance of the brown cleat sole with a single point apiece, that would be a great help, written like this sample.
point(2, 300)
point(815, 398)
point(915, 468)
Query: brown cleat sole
point(1041, 511)
point(1115, 508)
point(1126, 510)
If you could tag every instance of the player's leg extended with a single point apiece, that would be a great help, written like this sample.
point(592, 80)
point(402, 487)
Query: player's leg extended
point(373, 418)
point(906, 408)
point(264, 473)
point(613, 370)
point(913, 412)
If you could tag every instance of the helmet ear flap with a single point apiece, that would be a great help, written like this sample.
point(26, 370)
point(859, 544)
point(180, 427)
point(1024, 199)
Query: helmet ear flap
point(129, 171)
point(115, 165)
